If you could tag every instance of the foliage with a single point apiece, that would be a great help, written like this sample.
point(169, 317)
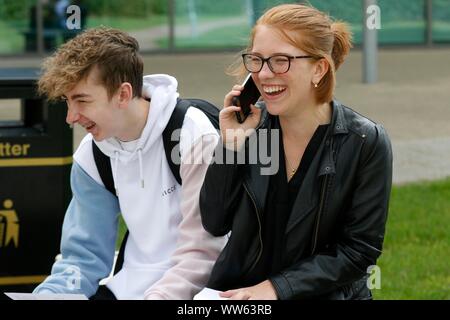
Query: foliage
point(15, 10)
point(19, 9)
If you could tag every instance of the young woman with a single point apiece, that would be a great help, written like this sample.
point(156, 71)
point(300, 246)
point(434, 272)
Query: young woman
point(312, 229)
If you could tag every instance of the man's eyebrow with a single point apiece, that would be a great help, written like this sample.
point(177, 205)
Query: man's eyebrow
point(80, 95)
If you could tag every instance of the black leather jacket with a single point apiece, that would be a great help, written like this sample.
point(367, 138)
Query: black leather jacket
point(337, 224)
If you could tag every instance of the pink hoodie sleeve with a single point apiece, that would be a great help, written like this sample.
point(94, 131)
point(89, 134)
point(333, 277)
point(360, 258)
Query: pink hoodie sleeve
point(196, 250)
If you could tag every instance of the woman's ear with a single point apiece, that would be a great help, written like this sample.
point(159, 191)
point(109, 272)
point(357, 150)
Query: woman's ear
point(125, 94)
point(320, 70)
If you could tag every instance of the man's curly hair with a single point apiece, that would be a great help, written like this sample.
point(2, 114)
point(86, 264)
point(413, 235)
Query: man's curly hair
point(113, 52)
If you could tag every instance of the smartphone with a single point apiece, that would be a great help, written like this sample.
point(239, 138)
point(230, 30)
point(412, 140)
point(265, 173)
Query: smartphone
point(249, 95)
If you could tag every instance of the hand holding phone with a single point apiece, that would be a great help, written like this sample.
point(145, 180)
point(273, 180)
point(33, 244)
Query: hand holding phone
point(238, 119)
point(249, 95)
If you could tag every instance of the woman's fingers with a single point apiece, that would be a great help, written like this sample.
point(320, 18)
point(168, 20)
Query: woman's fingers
point(228, 110)
point(237, 294)
point(240, 295)
point(227, 294)
point(236, 91)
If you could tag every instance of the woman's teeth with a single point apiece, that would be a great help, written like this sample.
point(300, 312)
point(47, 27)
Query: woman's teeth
point(273, 90)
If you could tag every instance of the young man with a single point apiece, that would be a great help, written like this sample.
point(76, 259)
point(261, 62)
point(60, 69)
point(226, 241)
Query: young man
point(168, 254)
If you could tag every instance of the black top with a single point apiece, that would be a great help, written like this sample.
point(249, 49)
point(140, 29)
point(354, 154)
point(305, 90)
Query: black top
point(280, 200)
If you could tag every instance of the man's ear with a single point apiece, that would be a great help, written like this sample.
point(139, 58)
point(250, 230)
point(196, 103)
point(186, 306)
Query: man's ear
point(321, 67)
point(125, 94)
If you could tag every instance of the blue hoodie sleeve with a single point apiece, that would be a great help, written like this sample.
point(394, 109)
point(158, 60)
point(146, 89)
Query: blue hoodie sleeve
point(88, 238)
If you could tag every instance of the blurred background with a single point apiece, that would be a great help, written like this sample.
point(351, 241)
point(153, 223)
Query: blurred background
point(172, 25)
point(195, 41)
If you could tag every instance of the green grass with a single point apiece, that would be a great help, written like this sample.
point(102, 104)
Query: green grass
point(127, 23)
point(221, 37)
point(415, 259)
point(12, 40)
point(121, 232)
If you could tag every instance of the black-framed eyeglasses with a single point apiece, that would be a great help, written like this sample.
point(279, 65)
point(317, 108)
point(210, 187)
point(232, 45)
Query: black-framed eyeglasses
point(279, 63)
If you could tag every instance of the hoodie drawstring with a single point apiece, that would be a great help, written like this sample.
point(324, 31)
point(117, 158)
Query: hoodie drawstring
point(141, 168)
point(116, 160)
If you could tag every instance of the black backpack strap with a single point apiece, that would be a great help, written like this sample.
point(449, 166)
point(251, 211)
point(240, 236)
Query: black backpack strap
point(175, 122)
point(210, 110)
point(103, 164)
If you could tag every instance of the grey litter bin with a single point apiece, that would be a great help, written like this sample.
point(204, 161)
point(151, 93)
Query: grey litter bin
point(35, 162)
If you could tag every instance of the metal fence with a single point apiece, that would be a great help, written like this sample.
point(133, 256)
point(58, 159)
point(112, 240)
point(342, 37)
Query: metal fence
point(38, 26)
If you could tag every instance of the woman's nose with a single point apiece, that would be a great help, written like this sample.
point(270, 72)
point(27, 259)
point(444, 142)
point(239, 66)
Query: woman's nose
point(265, 72)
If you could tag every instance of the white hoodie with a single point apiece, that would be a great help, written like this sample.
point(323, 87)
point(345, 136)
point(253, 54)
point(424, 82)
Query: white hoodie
point(168, 253)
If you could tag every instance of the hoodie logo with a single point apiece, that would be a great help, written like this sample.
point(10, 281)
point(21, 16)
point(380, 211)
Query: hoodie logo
point(169, 190)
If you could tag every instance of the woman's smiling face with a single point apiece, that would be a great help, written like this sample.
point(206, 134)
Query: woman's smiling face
point(283, 93)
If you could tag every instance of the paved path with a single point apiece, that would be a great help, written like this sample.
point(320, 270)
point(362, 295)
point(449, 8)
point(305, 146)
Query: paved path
point(421, 159)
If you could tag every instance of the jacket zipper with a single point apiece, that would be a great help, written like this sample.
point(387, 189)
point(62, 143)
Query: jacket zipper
point(257, 213)
point(259, 229)
point(322, 202)
point(321, 205)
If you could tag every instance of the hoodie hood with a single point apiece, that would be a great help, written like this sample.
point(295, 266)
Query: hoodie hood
point(161, 89)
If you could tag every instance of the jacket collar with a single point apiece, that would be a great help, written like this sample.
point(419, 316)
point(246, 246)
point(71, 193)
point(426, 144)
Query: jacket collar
point(258, 184)
point(338, 122)
point(338, 126)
